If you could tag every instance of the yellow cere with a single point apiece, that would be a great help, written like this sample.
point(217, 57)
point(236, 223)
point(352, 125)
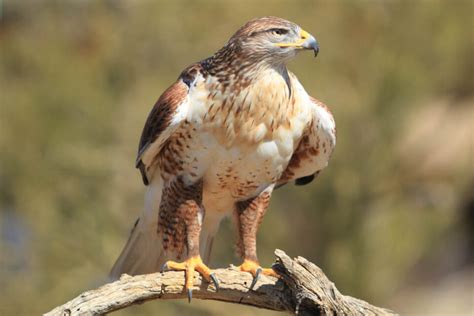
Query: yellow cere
point(298, 44)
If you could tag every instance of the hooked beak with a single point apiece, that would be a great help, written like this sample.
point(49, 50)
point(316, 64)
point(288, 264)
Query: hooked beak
point(306, 41)
point(311, 43)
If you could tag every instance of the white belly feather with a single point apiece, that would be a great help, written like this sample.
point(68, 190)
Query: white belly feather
point(241, 172)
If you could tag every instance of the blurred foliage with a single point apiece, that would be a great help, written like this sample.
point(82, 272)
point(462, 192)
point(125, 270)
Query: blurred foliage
point(78, 78)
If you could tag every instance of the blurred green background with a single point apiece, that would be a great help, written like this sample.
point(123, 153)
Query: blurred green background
point(390, 220)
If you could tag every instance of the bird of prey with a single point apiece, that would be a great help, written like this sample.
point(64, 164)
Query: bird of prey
point(218, 141)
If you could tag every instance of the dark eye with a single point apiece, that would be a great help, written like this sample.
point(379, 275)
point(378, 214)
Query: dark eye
point(279, 31)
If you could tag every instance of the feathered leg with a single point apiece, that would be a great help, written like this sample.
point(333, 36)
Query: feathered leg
point(248, 216)
point(181, 214)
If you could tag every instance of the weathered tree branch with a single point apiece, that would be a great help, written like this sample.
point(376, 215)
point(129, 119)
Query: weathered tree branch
point(303, 289)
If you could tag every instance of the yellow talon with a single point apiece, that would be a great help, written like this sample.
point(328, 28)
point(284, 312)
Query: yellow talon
point(190, 265)
point(255, 269)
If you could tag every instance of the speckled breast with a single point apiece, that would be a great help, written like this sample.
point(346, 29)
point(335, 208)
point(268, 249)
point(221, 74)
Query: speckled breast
point(239, 143)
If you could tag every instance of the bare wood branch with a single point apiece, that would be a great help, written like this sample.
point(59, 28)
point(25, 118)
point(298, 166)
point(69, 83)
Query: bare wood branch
point(303, 289)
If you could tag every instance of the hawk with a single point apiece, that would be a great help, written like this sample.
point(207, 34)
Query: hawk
point(218, 141)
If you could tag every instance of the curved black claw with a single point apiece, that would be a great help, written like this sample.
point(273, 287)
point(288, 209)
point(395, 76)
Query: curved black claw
point(215, 281)
point(255, 279)
point(164, 267)
point(190, 295)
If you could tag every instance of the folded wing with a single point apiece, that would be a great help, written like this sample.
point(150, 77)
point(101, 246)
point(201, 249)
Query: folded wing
point(314, 149)
point(166, 116)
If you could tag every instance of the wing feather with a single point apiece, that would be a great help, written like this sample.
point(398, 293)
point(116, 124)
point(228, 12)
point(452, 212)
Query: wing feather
point(310, 157)
point(166, 116)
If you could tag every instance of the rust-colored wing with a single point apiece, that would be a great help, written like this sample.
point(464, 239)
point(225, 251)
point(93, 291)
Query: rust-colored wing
point(166, 116)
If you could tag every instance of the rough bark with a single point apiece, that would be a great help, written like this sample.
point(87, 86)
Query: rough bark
point(303, 289)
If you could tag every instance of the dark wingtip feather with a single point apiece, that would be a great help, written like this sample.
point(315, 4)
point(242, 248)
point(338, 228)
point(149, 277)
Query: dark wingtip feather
point(304, 180)
point(141, 166)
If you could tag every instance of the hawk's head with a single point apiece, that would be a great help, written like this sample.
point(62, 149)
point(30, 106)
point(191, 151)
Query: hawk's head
point(272, 39)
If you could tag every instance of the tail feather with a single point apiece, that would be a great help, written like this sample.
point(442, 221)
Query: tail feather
point(143, 252)
point(209, 229)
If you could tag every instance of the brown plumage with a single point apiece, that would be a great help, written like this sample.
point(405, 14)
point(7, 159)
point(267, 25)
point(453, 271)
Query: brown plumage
point(218, 141)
